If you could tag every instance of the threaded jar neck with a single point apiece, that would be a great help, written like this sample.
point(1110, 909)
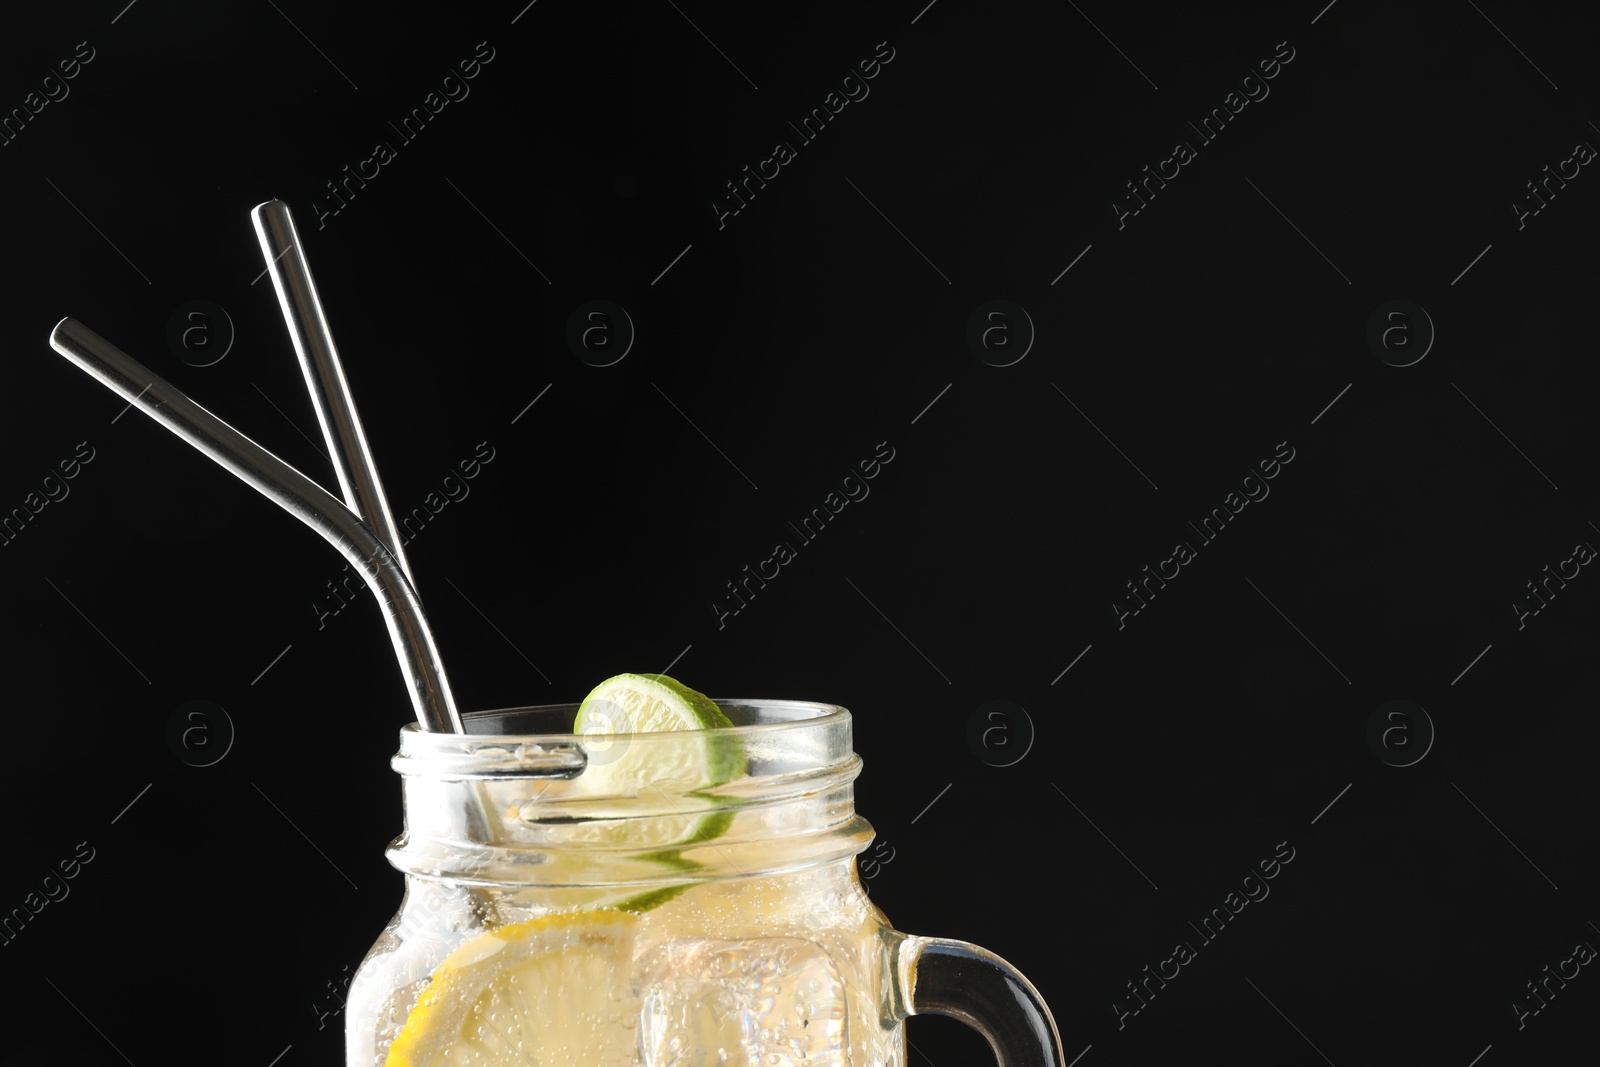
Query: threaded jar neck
point(516, 802)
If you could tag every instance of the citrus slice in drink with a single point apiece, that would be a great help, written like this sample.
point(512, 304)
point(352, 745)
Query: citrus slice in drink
point(653, 703)
point(658, 773)
point(551, 992)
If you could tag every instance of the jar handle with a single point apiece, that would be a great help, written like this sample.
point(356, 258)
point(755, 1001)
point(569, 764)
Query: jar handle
point(938, 976)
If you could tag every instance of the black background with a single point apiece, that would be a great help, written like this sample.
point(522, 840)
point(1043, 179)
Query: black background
point(824, 319)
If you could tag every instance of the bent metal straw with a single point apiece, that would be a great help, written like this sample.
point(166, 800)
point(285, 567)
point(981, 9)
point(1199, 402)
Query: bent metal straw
point(295, 493)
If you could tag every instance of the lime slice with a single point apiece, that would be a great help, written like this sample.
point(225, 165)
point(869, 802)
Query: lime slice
point(672, 771)
point(552, 992)
point(653, 703)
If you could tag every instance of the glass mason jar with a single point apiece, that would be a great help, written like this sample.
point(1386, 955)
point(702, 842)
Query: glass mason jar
point(655, 921)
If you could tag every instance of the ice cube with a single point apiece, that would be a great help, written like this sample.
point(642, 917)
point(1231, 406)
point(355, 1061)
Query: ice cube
point(762, 1002)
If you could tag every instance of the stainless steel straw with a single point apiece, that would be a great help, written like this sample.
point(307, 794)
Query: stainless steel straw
point(325, 381)
point(336, 410)
point(290, 490)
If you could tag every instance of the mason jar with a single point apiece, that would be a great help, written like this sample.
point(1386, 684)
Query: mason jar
point(653, 919)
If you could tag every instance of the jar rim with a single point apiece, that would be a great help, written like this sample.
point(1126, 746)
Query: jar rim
point(530, 741)
point(821, 714)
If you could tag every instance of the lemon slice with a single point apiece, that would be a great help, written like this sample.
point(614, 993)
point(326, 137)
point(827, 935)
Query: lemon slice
point(657, 772)
point(552, 992)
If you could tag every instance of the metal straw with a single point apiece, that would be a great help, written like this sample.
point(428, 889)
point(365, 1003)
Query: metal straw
point(336, 412)
point(290, 490)
point(325, 381)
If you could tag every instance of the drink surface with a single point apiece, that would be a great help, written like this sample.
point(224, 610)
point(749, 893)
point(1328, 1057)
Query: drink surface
point(774, 971)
